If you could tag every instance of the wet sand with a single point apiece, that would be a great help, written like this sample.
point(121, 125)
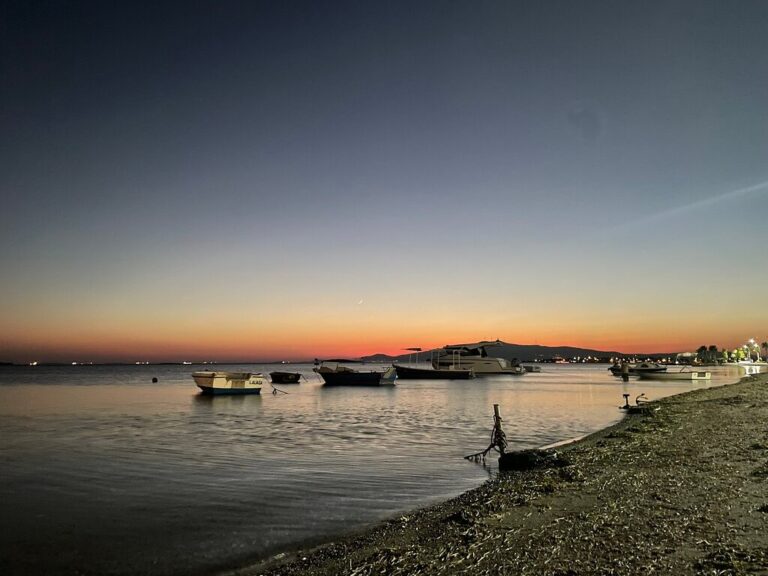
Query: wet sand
point(678, 490)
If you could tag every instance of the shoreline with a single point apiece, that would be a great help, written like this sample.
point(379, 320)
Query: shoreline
point(677, 490)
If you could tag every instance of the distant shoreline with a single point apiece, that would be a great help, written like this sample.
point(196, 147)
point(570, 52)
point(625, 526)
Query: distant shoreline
point(676, 491)
point(523, 352)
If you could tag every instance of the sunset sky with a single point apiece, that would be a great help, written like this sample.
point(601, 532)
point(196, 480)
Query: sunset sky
point(286, 180)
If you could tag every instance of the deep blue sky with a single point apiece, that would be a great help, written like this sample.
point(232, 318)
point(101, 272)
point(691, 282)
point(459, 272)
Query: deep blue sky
point(365, 152)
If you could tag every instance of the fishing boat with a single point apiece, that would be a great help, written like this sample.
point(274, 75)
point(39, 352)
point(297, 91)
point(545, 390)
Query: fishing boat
point(641, 368)
point(229, 382)
point(475, 356)
point(334, 374)
point(681, 375)
point(285, 377)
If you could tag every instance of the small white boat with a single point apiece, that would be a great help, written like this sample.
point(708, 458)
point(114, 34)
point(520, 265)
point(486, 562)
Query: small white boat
point(681, 375)
point(229, 382)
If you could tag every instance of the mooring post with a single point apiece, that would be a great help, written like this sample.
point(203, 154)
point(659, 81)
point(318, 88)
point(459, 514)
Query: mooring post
point(499, 438)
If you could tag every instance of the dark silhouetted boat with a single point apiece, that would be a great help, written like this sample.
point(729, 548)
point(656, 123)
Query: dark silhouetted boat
point(338, 375)
point(285, 377)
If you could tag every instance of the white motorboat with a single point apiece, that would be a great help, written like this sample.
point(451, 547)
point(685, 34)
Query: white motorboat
point(229, 382)
point(475, 357)
point(681, 375)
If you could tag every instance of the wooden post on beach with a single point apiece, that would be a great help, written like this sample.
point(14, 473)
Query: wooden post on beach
point(501, 441)
point(498, 440)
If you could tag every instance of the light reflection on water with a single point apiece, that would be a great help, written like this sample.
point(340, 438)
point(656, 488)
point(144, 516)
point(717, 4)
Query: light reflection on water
point(118, 475)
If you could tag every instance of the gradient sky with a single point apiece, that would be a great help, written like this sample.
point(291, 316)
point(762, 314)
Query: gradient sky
point(262, 180)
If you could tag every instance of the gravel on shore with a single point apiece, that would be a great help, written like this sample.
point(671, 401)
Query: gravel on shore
point(680, 489)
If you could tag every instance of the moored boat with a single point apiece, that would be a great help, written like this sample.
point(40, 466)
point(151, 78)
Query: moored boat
point(217, 383)
point(475, 356)
point(338, 375)
point(640, 368)
point(285, 377)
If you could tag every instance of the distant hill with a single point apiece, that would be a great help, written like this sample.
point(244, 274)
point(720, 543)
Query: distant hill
point(382, 358)
point(523, 352)
point(533, 352)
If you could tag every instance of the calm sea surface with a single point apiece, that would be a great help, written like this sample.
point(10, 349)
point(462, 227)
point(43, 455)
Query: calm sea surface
point(104, 472)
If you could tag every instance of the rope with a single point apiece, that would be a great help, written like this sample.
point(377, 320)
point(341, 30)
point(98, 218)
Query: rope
point(276, 390)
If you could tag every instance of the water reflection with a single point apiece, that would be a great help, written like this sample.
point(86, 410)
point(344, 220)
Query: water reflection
point(213, 402)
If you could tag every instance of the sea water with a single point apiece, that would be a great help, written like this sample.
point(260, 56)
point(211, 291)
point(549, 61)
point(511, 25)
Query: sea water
point(105, 472)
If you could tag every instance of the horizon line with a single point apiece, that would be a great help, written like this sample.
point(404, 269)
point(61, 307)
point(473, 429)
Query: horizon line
point(299, 360)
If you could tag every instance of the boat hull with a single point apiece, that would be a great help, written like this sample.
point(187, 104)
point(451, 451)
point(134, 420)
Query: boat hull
point(675, 375)
point(343, 376)
point(485, 371)
point(411, 373)
point(211, 391)
point(485, 367)
point(285, 377)
point(362, 379)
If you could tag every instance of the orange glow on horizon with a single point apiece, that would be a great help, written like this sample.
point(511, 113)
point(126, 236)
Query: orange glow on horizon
point(285, 343)
point(231, 332)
